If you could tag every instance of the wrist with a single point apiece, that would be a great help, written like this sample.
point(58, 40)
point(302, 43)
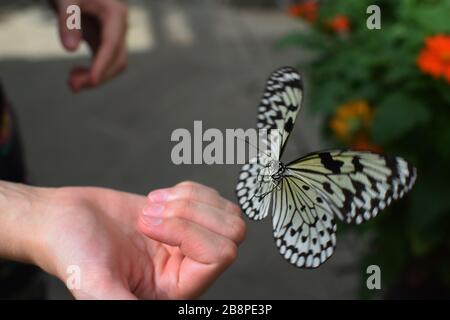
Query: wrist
point(56, 212)
point(20, 211)
point(35, 248)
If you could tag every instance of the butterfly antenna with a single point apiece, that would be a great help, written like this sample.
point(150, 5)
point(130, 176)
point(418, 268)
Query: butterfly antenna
point(256, 148)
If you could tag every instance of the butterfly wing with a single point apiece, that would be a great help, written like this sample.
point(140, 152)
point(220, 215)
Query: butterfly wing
point(277, 112)
point(253, 193)
point(280, 104)
point(351, 185)
point(303, 224)
point(356, 185)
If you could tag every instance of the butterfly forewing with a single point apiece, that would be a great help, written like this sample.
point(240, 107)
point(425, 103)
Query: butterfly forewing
point(277, 112)
point(281, 101)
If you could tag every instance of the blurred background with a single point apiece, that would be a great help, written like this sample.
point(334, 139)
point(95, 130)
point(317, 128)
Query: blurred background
point(384, 90)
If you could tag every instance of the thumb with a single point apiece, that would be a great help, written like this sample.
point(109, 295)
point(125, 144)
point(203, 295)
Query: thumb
point(69, 16)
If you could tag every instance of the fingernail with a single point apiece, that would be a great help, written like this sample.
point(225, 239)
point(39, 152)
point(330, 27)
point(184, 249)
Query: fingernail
point(153, 210)
point(152, 220)
point(158, 196)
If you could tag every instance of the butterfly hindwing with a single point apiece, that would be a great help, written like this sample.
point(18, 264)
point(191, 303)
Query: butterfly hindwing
point(250, 189)
point(303, 224)
point(356, 184)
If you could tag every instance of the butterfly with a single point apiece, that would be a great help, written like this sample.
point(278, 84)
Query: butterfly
point(306, 195)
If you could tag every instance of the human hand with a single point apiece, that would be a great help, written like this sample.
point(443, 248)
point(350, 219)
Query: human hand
point(196, 233)
point(103, 26)
point(187, 244)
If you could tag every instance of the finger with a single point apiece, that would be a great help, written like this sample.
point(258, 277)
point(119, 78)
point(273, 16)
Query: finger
point(204, 254)
point(195, 242)
point(199, 192)
point(195, 192)
point(112, 40)
point(196, 185)
point(70, 38)
point(118, 66)
point(79, 78)
point(212, 218)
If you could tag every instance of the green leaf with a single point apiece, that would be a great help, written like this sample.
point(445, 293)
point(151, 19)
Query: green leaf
point(426, 192)
point(434, 18)
point(441, 138)
point(328, 96)
point(425, 242)
point(443, 88)
point(395, 116)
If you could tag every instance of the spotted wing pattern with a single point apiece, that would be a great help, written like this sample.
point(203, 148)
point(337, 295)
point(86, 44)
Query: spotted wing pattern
point(277, 112)
point(352, 185)
point(357, 185)
point(281, 101)
point(303, 224)
point(253, 193)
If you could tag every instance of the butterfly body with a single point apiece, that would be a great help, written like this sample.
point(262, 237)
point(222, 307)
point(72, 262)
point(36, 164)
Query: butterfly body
point(274, 170)
point(305, 196)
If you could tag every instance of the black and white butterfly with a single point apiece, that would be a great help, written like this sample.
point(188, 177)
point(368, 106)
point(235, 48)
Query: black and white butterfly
point(305, 195)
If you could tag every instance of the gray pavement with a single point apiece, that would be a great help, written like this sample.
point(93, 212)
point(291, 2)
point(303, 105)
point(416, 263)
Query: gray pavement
point(118, 136)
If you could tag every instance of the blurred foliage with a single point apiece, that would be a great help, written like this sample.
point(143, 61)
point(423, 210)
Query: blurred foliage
point(402, 71)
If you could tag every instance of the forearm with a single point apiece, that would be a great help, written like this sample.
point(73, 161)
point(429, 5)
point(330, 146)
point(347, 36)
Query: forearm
point(20, 209)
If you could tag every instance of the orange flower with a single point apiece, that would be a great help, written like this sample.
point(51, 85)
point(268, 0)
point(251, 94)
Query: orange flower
point(351, 119)
point(340, 128)
point(434, 58)
point(339, 24)
point(351, 125)
point(307, 10)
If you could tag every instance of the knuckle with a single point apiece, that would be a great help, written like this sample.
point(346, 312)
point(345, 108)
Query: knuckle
point(214, 191)
point(181, 207)
point(239, 229)
point(183, 226)
point(228, 253)
point(233, 208)
point(186, 183)
point(190, 189)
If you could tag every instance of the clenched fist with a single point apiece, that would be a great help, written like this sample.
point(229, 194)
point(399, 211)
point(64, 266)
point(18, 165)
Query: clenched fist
point(196, 234)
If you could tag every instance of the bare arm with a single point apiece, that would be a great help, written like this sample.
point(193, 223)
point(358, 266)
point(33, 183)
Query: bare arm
point(18, 221)
point(172, 244)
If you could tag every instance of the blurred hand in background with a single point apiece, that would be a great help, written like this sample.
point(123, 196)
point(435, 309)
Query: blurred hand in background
point(103, 27)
